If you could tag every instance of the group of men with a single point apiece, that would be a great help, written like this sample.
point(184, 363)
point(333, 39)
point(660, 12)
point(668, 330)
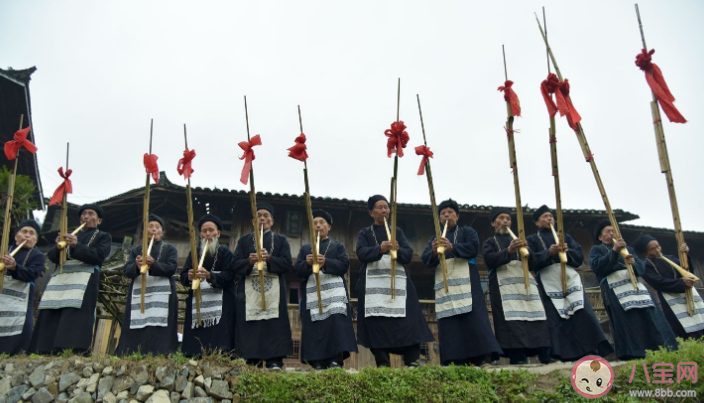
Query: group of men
point(230, 313)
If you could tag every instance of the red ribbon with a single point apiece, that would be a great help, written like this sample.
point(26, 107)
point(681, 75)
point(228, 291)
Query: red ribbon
point(656, 81)
point(509, 132)
point(184, 164)
point(398, 139)
point(298, 151)
point(12, 147)
point(552, 85)
point(65, 186)
point(590, 158)
point(426, 153)
point(553, 139)
point(248, 156)
point(511, 97)
point(151, 166)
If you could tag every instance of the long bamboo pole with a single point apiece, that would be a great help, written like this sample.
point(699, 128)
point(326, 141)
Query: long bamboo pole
point(195, 284)
point(7, 224)
point(667, 170)
point(560, 235)
point(523, 251)
point(311, 226)
point(258, 237)
point(433, 204)
point(589, 157)
point(145, 226)
point(63, 227)
point(394, 189)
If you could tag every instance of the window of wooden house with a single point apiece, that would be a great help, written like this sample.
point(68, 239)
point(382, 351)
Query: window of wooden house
point(294, 221)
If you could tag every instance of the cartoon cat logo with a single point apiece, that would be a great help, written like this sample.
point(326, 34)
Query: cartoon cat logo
point(592, 377)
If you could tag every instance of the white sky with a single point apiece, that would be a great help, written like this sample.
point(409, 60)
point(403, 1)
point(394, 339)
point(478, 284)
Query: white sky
point(106, 67)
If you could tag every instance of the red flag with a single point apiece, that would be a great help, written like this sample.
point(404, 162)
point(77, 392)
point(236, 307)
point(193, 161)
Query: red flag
point(298, 151)
point(552, 85)
point(656, 81)
point(151, 166)
point(398, 138)
point(248, 156)
point(64, 186)
point(12, 147)
point(511, 97)
point(426, 153)
point(184, 164)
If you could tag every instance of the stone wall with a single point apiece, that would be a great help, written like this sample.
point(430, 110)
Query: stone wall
point(87, 380)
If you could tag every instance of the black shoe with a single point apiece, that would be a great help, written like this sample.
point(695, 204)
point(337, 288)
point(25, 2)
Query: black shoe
point(413, 365)
point(273, 367)
point(319, 367)
point(522, 362)
point(334, 364)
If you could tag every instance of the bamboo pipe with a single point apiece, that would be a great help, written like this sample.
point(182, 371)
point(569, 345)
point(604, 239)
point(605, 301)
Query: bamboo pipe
point(61, 245)
point(586, 151)
point(689, 295)
point(192, 238)
point(12, 254)
point(317, 278)
point(563, 260)
point(143, 271)
point(8, 208)
point(433, 204)
point(441, 249)
point(63, 228)
point(523, 252)
point(392, 252)
point(562, 254)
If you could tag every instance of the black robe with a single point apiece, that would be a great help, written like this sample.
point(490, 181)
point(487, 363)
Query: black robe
point(28, 273)
point(325, 339)
point(467, 335)
point(514, 334)
point(151, 339)
point(581, 334)
point(637, 329)
point(71, 328)
point(271, 338)
point(380, 332)
point(663, 278)
point(219, 336)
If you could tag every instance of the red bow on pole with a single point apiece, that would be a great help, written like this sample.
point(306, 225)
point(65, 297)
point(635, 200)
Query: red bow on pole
point(151, 166)
point(248, 156)
point(511, 97)
point(298, 151)
point(65, 186)
point(552, 85)
point(398, 138)
point(12, 147)
point(656, 81)
point(184, 164)
point(426, 153)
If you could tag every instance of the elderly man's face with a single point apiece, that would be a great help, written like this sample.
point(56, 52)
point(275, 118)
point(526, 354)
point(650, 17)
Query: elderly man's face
point(155, 230)
point(380, 211)
point(321, 226)
point(265, 218)
point(502, 223)
point(26, 233)
point(448, 215)
point(607, 235)
point(545, 220)
point(653, 249)
point(90, 217)
point(209, 231)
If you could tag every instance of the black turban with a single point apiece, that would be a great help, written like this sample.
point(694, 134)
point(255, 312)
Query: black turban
point(372, 201)
point(449, 203)
point(324, 214)
point(93, 207)
point(209, 217)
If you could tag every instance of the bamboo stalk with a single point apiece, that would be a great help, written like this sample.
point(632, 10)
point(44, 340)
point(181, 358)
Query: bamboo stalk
point(7, 224)
point(311, 227)
point(516, 186)
point(258, 239)
point(143, 271)
point(394, 188)
point(433, 205)
point(195, 285)
point(667, 170)
point(63, 228)
point(145, 222)
point(560, 235)
point(588, 156)
point(63, 244)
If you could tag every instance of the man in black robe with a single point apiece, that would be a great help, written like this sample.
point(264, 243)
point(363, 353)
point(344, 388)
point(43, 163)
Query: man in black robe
point(520, 323)
point(637, 323)
point(575, 331)
point(67, 308)
point(217, 289)
point(463, 322)
point(17, 297)
point(671, 287)
point(154, 331)
point(263, 336)
point(385, 325)
point(328, 337)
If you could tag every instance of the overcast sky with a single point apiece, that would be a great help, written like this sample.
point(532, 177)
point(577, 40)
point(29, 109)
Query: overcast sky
point(104, 68)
